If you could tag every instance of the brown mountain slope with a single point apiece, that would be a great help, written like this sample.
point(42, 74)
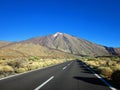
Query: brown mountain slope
point(117, 50)
point(26, 50)
point(70, 44)
point(3, 43)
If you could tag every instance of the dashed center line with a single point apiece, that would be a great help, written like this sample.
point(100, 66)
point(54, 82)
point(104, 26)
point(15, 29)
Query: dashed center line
point(44, 83)
point(67, 66)
point(39, 87)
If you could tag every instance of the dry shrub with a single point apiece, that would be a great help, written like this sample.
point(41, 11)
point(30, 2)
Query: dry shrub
point(16, 63)
point(1, 69)
point(116, 67)
point(31, 66)
point(105, 71)
point(20, 65)
point(110, 63)
point(6, 69)
point(20, 70)
point(92, 63)
point(116, 77)
point(2, 62)
point(101, 62)
point(41, 64)
point(48, 62)
point(34, 65)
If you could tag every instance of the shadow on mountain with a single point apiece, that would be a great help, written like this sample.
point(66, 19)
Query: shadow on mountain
point(111, 50)
point(91, 80)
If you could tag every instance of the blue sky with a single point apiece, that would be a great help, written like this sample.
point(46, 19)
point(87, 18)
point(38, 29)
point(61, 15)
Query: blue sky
point(94, 20)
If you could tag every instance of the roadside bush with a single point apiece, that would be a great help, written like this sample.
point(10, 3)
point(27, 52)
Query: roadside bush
point(8, 69)
point(41, 64)
point(92, 63)
point(33, 58)
point(105, 71)
point(3, 62)
point(20, 65)
point(20, 70)
point(116, 67)
point(1, 69)
point(116, 77)
point(32, 65)
point(16, 63)
point(110, 63)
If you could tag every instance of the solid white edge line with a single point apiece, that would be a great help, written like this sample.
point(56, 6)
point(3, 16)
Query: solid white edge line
point(112, 88)
point(70, 63)
point(105, 82)
point(44, 83)
point(65, 67)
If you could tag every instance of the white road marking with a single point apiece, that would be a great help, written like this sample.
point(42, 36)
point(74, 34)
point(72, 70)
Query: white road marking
point(44, 83)
point(105, 82)
point(112, 88)
point(65, 67)
point(70, 63)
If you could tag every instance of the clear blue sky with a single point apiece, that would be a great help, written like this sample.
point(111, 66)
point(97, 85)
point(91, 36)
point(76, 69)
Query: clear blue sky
point(94, 20)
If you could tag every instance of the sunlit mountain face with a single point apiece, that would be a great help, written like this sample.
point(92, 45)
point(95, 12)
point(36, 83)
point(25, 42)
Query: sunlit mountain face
point(59, 44)
point(70, 44)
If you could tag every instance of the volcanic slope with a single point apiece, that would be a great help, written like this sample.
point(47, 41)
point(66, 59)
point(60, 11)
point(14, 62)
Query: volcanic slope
point(28, 49)
point(69, 44)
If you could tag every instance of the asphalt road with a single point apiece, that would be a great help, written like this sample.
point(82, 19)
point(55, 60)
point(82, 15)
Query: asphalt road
point(72, 75)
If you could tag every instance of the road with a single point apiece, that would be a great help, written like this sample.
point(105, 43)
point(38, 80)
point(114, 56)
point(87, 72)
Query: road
point(72, 75)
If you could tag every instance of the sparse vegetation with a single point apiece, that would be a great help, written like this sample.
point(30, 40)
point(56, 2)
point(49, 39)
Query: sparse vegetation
point(23, 57)
point(104, 71)
point(6, 70)
point(107, 67)
point(20, 65)
point(20, 70)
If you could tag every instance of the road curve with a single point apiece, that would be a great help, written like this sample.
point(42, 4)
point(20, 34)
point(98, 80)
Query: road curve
point(72, 75)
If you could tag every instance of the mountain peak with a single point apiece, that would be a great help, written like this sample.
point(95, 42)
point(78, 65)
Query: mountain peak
point(70, 44)
point(56, 34)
